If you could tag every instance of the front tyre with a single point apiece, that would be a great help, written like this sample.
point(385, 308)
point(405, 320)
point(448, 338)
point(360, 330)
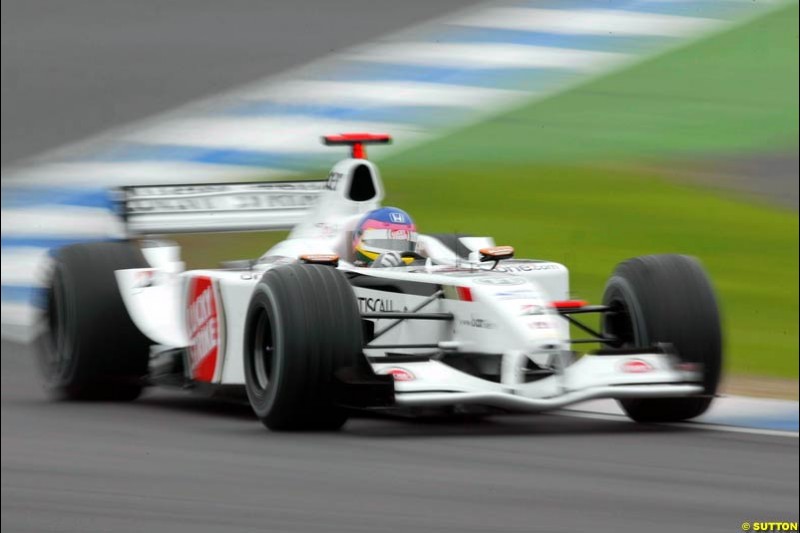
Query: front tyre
point(666, 299)
point(302, 326)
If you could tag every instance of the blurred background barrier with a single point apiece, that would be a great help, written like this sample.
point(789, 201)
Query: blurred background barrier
point(581, 134)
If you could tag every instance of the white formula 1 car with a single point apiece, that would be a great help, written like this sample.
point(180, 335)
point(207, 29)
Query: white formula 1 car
point(310, 336)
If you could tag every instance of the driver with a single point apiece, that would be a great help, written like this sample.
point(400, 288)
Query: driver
point(383, 236)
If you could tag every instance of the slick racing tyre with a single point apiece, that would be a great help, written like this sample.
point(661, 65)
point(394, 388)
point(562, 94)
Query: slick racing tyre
point(666, 299)
point(302, 326)
point(91, 350)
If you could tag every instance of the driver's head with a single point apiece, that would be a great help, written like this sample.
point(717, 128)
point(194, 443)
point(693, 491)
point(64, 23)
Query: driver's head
point(383, 230)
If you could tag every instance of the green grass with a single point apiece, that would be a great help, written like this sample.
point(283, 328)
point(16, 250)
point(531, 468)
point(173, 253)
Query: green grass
point(735, 92)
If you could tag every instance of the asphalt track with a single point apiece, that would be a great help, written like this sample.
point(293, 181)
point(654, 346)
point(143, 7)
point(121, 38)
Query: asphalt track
point(173, 462)
point(72, 69)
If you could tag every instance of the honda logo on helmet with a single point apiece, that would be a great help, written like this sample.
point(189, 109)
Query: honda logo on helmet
point(397, 217)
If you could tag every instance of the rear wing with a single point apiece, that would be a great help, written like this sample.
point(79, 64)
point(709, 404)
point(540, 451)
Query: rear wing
point(274, 205)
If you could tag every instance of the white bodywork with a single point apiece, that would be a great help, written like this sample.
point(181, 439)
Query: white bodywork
point(503, 312)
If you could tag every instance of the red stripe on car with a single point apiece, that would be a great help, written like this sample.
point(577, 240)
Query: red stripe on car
point(464, 294)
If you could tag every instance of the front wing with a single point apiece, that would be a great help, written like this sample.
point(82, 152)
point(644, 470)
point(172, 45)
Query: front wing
point(648, 375)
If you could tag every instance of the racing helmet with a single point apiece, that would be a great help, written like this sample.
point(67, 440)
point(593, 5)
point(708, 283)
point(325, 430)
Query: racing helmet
point(383, 230)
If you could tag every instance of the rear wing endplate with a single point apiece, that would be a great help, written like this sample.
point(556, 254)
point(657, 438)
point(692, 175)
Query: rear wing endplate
point(274, 205)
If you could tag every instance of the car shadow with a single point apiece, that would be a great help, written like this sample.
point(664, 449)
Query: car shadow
point(543, 425)
point(382, 425)
point(198, 405)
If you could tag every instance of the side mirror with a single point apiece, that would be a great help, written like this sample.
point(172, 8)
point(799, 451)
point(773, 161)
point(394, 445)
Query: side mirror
point(497, 253)
point(320, 259)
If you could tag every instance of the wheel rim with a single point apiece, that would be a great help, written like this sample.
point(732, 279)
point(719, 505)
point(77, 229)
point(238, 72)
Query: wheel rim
point(621, 322)
point(263, 350)
point(617, 323)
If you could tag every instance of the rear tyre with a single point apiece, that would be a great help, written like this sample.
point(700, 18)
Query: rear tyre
point(666, 299)
point(91, 350)
point(302, 326)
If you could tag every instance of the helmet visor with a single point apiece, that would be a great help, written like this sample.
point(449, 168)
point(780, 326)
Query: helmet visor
point(395, 240)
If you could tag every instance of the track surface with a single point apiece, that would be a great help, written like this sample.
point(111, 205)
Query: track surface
point(171, 462)
point(72, 69)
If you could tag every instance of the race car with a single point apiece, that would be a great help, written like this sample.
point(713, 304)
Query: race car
point(355, 310)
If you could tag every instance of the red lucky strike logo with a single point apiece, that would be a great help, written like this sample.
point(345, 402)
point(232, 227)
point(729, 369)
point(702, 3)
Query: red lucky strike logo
point(203, 325)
